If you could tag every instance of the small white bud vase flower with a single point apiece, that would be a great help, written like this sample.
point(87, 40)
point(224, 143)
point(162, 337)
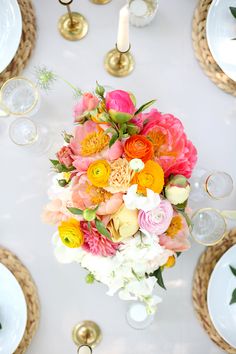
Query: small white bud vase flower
point(177, 190)
point(136, 165)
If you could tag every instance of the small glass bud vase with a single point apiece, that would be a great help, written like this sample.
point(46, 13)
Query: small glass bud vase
point(142, 12)
point(138, 317)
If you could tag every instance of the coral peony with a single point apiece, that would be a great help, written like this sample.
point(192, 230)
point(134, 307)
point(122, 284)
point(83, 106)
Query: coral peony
point(90, 143)
point(156, 221)
point(96, 243)
point(120, 105)
point(172, 150)
point(85, 195)
point(176, 236)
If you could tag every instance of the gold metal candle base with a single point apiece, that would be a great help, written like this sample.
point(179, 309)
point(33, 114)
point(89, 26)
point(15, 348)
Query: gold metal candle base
point(119, 64)
point(100, 2)
point(87, 332)
point(75, 31)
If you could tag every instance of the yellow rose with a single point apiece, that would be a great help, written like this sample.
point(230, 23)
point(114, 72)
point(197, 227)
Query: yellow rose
point(123, 224)
point(98, 173)
point(70, 233)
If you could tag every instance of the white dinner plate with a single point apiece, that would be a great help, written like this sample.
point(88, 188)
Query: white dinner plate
point(13, 311)
point(220, 29)
point(220, 289)
point(10, 31)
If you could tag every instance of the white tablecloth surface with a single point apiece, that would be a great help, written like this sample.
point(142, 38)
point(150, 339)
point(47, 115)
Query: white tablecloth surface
point(166, 69)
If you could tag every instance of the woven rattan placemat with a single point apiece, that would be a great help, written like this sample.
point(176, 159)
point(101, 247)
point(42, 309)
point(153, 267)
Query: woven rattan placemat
point(31, 295)
point(27, 42)
point(203, 271)
point(203, 53)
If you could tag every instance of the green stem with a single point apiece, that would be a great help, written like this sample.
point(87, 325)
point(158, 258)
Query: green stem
point(69, 84)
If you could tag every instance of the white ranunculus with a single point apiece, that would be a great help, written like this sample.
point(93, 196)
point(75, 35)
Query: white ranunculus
point(136, 165)
point(177, 195)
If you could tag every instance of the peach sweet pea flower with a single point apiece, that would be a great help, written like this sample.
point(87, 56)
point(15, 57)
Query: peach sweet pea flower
point(55, 212)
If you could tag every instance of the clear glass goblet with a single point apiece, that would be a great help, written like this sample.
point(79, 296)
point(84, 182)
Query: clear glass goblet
point(208, 226)
point(138, 317)
point(26, 133)
point(19, 96)
point(214, 185)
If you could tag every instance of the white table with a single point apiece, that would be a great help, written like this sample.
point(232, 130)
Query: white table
point(166, 69)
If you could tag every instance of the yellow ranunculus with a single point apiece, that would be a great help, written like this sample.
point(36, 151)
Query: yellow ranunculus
point(123, 224)
point(70, 233)
point(98, 173)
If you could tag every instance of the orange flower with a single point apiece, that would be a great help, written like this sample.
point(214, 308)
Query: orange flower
point(99, 172)
point(139, 147)
point(151, 177)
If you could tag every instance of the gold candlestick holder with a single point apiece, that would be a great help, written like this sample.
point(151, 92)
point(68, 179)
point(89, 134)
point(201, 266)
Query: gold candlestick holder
point(72, 26)
point(87, 333)
point(119, 63)
point(100, 2)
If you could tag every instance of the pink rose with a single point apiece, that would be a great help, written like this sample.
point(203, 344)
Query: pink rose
point(120, 105)
point(65, 156)
point(156, 221)
point(173, 151)
point(88, 103)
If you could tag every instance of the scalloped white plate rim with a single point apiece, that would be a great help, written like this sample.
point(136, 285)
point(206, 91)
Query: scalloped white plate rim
point(14, 314)
point(218, 297)
point(220, 29)
point(10, 32)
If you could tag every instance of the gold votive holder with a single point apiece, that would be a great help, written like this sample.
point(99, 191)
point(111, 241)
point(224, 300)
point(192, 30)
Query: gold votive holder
point(87, 333)
point(72, 26)
point(119, 63)
point(100, 2)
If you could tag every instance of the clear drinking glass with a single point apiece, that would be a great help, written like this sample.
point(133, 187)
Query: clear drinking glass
point(214, 185)
point(25, 133)
point(137, 316)
point(19, 96)
point(142, 12)
point(208, 226)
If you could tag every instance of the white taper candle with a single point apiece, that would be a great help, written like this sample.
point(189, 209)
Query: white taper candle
point(123, 30)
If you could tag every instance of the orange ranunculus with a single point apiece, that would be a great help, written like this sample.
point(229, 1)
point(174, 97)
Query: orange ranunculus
point(151, 177)
point(139, 147)
point(98, 173)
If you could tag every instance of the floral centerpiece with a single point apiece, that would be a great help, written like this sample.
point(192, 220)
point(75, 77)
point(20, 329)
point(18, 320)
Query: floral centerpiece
point(120, 192)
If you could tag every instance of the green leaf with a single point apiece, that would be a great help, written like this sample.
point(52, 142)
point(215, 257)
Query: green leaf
point(233, 299)
point(75, 211)
point(144, 107)
point(233, 11)
point(55, 162)
point(178, 254)
point(62, 168)
point(113, 139)
point(233, 270)
point(110, 130)
point(158, 275)
point(67, 137)
point(102, 229)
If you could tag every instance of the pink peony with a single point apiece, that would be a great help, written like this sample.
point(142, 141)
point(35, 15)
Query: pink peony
point(84, 196)
point(87, 103)
point(120, 105)
point(96, 243)
point(172, 150)
point(156, 221)
point(178, 242)
point(82, 134)
point(65, 156)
